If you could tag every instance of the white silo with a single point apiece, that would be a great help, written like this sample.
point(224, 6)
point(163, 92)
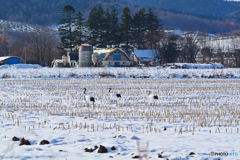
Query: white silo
point(64, 60)
point(85, 55)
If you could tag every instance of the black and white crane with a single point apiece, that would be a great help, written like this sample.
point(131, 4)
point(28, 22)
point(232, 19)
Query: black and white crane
point(114, 95)
point(88, 97)
point(152, 96)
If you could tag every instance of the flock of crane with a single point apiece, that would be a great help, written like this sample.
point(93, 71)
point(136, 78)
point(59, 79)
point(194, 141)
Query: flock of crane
point(114, 96)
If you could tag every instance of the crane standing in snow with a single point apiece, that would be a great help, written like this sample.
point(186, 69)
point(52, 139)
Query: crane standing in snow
point(88, 97)
point(114, 95)
point(152, 96)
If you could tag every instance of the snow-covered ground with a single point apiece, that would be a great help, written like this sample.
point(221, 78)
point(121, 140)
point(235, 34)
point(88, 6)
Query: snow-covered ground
point(202, 71)
point(198, 115)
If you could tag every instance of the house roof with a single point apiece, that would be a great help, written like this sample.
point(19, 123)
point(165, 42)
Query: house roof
point(57, 60)
point(3, 58)
point(146, 55)
point(104, 53)
point(6, 57)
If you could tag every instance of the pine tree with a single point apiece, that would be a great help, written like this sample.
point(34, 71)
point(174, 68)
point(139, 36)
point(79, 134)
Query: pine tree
point(154, 29)
point(107, 28)
point(95, 25)
point(126, 26)
point(101, 20)
point(115, 36)
point(172, 49)
point(65, 29)
point(92, 25)
point(79, 29)
point(139, 28)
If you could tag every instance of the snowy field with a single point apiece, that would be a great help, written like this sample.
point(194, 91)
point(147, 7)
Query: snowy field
point(196, 115)
point(202, 71)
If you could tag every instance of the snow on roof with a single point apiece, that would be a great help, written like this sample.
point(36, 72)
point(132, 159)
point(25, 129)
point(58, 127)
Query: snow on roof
point(146, 55)
point(3, 58)
point(100, 50)
point(58, 60)
point(104, 53)
point(6, 57)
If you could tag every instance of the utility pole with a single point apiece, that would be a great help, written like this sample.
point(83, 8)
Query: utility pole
point(24, 52)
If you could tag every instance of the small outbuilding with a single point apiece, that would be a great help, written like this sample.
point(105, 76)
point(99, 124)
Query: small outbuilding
point(147, 56)
point(10, 60)
point(69, 60)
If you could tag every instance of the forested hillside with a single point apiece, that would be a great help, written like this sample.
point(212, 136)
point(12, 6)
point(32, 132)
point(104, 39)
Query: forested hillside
point(215, 16)
point(211, 9)
point(44, 11)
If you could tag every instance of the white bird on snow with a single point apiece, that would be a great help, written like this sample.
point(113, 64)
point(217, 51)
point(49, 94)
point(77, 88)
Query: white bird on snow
point(88, 97)
point(152, 96)
point(114, 95)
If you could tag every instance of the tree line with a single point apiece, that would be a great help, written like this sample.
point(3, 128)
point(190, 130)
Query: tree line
point(103, 27)
point(143, 30)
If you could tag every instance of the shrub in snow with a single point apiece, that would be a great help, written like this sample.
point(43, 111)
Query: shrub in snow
point(102, 149)
point(5, 75)
point(15, 138)
point(44, 142)
point(24, 142)
point(106, 74)
point(193, 66)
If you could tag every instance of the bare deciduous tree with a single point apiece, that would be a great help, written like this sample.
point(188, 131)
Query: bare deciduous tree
point(42, 45)
point(4, 46)
point(190, 46)
point(235, 43)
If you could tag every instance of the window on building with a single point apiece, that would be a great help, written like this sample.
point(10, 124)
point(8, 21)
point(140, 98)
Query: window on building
point(117, 57)
point(109, 62)
point(124, 62)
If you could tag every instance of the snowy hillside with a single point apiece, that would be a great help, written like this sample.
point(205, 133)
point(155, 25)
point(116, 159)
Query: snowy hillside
point(15, 26)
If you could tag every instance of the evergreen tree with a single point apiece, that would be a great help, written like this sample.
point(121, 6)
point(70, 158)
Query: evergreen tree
point(172, 49)
point(107, 28)
point(95, 25)
point(92, 25)
point(101, 20)
point(115, 37)
point(126, 26)
point(79, 29)
point(154, 29)
point(65, 29)
point(139, 28)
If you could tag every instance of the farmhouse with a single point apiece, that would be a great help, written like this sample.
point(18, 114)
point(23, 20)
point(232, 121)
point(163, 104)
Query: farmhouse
point(69, 60)
point(114, 57)
point(145, 56)
point(9, 60)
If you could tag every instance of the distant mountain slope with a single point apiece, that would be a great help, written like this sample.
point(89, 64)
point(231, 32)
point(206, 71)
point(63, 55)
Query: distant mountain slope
point(176, 14)
point(46, 11)
point(203, 8)
point(15, 26)
point(43, 11)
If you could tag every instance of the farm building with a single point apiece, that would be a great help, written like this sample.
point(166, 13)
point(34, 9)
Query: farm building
point(83, 58)
point(69, 60)
point(113, 57)
point(9, 60)
point(145, 56)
